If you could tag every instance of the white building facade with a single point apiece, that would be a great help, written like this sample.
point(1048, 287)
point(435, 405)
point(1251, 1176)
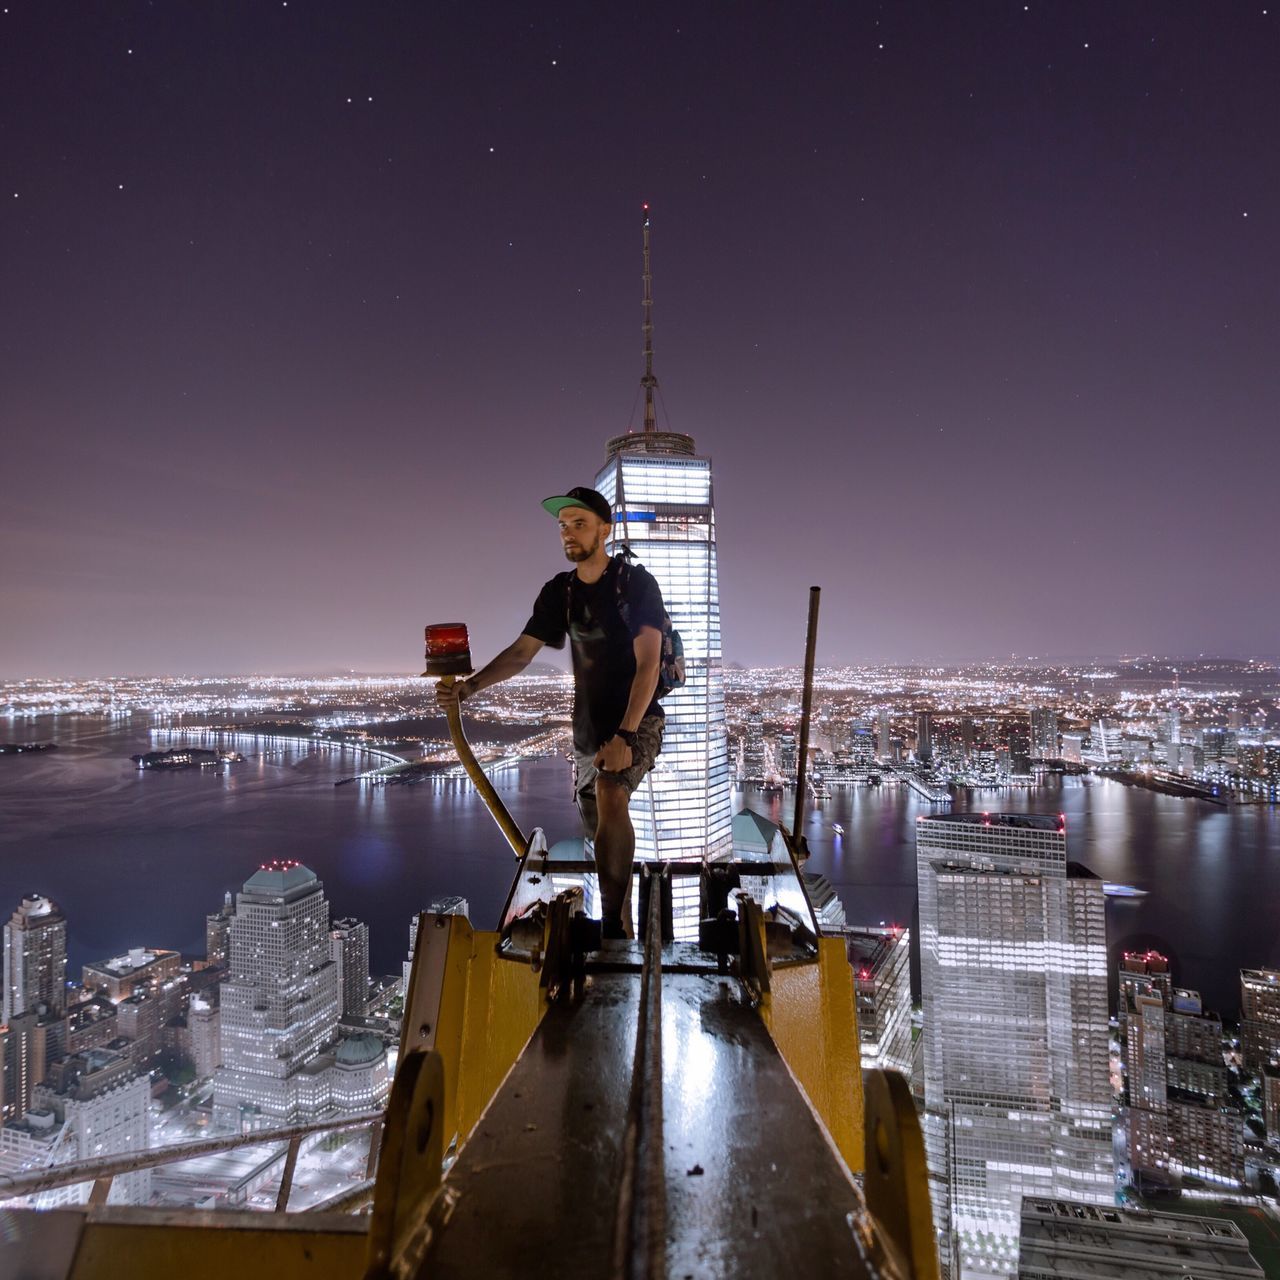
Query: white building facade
point(279, 1003)
point(1014, 984)
point(661, 495)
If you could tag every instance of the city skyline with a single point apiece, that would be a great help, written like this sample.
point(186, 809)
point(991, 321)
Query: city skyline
point(309, 295)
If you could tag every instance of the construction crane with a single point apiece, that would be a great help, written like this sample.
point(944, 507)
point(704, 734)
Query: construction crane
point(566, 1105)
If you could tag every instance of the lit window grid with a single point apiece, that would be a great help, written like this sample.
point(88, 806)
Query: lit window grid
point(691, 786)
point(1013, 977)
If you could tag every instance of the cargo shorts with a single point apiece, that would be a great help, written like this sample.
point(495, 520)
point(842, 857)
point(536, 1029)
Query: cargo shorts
point(643, 754)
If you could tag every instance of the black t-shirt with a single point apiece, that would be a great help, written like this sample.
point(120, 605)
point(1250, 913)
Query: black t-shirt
point(604, 658)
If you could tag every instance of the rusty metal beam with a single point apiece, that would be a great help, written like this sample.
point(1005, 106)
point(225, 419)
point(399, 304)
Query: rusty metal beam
point(286, 1178)
point(65, 1175)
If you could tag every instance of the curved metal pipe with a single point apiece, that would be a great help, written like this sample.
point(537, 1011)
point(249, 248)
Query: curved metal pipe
point(488, 793)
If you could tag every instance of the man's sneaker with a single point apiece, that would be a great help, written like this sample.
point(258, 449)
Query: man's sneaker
point(611, 928)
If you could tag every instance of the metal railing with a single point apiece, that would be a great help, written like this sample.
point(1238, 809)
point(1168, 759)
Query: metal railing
point(104, 1169)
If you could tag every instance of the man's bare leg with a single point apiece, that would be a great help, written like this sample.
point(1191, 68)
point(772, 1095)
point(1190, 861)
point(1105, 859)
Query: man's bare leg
point(615, 849)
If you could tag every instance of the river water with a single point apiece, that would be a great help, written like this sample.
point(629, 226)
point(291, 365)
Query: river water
point(139, 857)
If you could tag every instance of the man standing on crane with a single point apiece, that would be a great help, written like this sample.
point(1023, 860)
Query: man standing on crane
point(613, 615)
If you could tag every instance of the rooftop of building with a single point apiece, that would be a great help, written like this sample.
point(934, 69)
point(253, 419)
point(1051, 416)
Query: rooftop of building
point(1265, 977)
point(753, 830)
point(135, 959)
point(360, 1051)
point(279, 877)
point(1069, 1238)
point(35, 906)
point(660, 442)
point(1020, 821)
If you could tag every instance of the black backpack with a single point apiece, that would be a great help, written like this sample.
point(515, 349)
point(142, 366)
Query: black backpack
point(671, 664)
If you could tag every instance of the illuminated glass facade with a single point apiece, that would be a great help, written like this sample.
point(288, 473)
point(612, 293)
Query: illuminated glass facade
point(280, 1001)
point(661, 495)
point(1014, 981)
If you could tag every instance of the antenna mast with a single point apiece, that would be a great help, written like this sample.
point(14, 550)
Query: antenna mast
point(648, 382)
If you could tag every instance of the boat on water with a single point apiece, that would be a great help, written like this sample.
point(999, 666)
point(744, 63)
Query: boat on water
point(837, 828)
point(1113, 890)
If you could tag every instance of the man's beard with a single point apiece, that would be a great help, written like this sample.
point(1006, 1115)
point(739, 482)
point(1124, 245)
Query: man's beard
point(579, 553)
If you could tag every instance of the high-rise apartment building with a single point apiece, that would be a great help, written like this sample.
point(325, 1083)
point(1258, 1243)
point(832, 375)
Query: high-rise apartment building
point(35, 959)
point(349, 950)
point(204, 1036)
point(1144, 973)
point(753, 748)
point(279, 1001)
point(1044, 733)
point(1149, 1128)
point(862, 745)
point(1260, 1017)
point(884, 735)
point(1180, 1117)
point(28, 1044)
point(217, 927)
point(1014, 981)
point(788, 756)
point(924, 737)
point(1271, 1102)
point(660, 491)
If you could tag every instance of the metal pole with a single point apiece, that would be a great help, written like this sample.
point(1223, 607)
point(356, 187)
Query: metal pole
point(806, 711)
point(286, 1178)
point(493, 801)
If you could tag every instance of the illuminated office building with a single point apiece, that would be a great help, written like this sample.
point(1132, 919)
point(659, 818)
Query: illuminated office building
point(924, 737)
point(663, 510)
point(884, 735)
point(1016, 1054)
point(1044, 733)
point(279, 1002)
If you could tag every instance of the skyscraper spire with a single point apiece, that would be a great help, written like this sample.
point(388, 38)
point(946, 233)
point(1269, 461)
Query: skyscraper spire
point(648, 382)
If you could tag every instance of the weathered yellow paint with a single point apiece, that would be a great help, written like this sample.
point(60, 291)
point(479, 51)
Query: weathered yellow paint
point(505, 1004)
point(489, 1007)
point(213, 1246)
point(812, 1016)
point(897, 1175)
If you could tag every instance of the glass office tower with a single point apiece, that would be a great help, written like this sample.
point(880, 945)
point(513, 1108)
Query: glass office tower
point(660, 492)
point(1013, 957)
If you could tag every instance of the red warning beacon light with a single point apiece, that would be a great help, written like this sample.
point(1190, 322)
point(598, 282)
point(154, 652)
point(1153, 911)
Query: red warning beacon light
point(448, 650)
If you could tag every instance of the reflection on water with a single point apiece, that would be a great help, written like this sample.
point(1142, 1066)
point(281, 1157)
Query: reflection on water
point(138, 857)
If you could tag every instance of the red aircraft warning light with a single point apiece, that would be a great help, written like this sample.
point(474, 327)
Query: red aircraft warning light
point(448, 650)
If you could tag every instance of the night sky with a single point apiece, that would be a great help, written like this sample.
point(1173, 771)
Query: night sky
point(306, 306)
